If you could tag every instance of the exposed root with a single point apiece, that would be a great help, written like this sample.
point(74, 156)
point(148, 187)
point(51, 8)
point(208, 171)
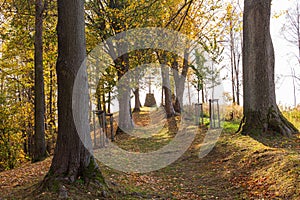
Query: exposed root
point(273, 121)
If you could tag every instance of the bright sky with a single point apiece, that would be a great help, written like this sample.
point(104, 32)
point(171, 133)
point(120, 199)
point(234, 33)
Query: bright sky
point(284, 59)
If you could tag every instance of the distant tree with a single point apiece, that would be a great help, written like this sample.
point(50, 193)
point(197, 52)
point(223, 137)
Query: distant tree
point(71, 160)
point(291, 29)
point(39, 152)
point(291, 32)
point(166, 84)
point(261, 112)
point(234, 40)
point(199, 71)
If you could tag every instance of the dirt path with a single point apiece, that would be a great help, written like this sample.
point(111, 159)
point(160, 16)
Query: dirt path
point(238, 167)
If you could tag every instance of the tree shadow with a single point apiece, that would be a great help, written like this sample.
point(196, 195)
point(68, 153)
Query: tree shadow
point(275, 140)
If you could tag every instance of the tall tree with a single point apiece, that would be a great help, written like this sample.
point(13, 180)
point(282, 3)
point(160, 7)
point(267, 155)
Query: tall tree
point(260, 109)
point(234, 40)
point(200, 72)
point(166, 85)
point(71, 157)
point(39, 95)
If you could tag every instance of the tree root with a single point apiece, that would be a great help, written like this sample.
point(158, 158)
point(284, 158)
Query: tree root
point(273, 121)
point(241, 125)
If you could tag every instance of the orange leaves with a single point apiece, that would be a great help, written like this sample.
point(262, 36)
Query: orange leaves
point(23, 175)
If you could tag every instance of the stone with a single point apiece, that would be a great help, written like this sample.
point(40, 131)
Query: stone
point(150, 100)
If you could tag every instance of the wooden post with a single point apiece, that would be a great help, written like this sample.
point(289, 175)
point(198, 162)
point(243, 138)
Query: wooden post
point(94, 126)
point(212, 114)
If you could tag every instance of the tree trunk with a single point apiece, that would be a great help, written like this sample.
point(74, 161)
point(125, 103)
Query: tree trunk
point(189, 93)
point(162, 97)
point(103, 100)
point(202, 93)
point(237, 84)
point(71, 157)
point(232, 61)
point(167, 91)
point(109, 101)
point(39, 152)
point(180, 81)
point(260, 110)
point(125, 123)
point(137, 102)
point(51, 101)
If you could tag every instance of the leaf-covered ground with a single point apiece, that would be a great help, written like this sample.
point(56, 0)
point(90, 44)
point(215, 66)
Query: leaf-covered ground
point(238, 167)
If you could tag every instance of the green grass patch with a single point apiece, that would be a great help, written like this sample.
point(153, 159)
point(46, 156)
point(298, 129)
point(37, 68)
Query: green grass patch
point(231, 126)
point(293, 116)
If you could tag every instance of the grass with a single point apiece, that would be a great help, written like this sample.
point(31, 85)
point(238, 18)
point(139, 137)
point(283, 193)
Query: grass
point(293, 115)
point(231, 126)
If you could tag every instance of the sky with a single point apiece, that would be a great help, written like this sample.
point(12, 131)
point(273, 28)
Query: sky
point(283, 58)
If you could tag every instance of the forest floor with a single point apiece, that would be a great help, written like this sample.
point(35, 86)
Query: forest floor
point(238, 167)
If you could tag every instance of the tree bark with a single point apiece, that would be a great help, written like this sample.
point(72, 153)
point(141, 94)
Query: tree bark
point(109, 101)
point(202, 93)
point(180, 81)
point(232, 61)
point(137, 102)
point(125, 123)
point(39, 152)
point(167, 91)
point(103, 100)
point(71, 157)
point(260, 109)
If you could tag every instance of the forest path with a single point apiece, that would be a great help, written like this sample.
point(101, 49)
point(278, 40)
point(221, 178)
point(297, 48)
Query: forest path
point(238, 167)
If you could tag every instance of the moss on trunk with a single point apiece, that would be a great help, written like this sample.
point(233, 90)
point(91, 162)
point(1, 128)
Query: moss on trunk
point(262, 123)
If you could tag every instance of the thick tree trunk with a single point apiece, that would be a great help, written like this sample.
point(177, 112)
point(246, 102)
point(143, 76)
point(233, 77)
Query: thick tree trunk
point(260, 110)
point(71, 158)
point(39, 152)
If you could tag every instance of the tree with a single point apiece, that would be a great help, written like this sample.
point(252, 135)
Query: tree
point(39, 95)
point(16, 31)
point(234, 39)
point(71, 157)
point(261, 112)
point(17, 37)
point(200, 72)
point(166, 85)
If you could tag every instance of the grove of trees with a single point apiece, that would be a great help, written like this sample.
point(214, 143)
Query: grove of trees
point(43, 47)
